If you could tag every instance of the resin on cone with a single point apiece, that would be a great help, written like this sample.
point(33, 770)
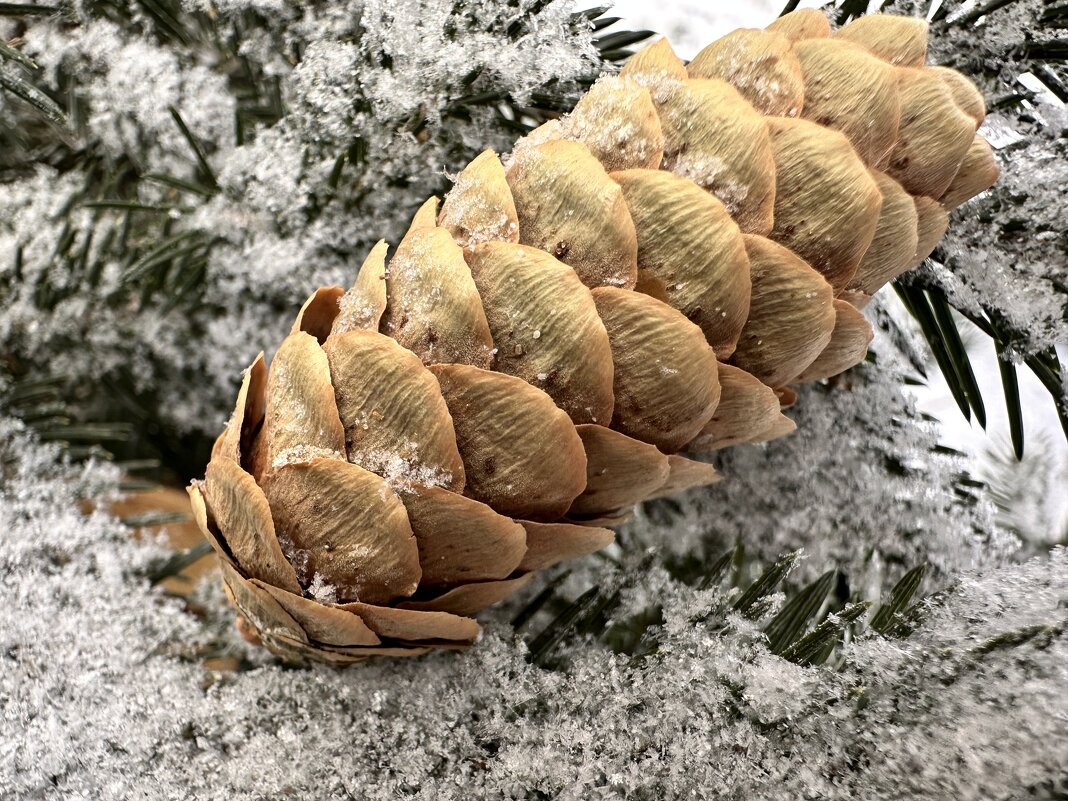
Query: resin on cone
point(637, 282)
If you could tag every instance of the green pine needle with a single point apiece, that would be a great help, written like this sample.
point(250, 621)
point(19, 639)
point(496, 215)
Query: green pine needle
point(962, 366)
point(1011, 384)
point(919, 306)
point(128, 205)
point(886, 620)
point(542, 647)
point(13, 54)
point(538, 601)
point(816, 646)
point(177, 562)
point(154, 519)
point(88, 432)
point(719, 568)
point(794, 617)
point(26, 9)
point(195, 146)
point(31, 94)
point(766, 584)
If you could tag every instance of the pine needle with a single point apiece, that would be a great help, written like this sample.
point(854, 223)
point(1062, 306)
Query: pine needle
point(31, 94)
point(768, 581)
point(793, 618)
point(886, 620)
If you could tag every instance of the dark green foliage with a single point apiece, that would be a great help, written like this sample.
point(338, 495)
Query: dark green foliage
point(1042, 56)
point(42, 405)
point(808, 628)
point(792, 620)
point(887, 620)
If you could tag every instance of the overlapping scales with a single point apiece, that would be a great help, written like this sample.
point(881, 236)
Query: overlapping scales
point(639, 280)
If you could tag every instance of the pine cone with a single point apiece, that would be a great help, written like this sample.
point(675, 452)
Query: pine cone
point(643, 277)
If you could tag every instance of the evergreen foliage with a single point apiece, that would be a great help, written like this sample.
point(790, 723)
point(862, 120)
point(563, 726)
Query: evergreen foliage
point(1014, 290)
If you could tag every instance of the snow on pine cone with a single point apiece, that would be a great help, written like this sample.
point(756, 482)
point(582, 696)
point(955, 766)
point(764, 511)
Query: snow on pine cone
point(643, 277)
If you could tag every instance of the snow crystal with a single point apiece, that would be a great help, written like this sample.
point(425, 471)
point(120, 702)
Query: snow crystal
point(321, 590)
point(303, 454)
point(278, 228)
point(711, 173)
point(105, 696)
point(403, 469)
point(893, 492)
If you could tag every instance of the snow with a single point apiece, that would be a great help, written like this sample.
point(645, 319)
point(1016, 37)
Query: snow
point(112, 689)
point(278, 228)
point(105, 696)
point(403, 469)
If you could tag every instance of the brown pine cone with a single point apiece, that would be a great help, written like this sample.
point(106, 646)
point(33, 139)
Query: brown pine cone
point(644, 277)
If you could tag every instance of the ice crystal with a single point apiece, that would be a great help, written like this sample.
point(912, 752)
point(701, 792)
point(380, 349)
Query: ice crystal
point(104, 696)
point(385, 76)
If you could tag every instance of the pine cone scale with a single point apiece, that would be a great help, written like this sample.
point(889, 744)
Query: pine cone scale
point(692, 249)
point(241, 509)
point(620, 471)
point(326, 624)
point(545, 327)
point(521, 453)
point(395, 419)
point(461, 540)
point(467, 599)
